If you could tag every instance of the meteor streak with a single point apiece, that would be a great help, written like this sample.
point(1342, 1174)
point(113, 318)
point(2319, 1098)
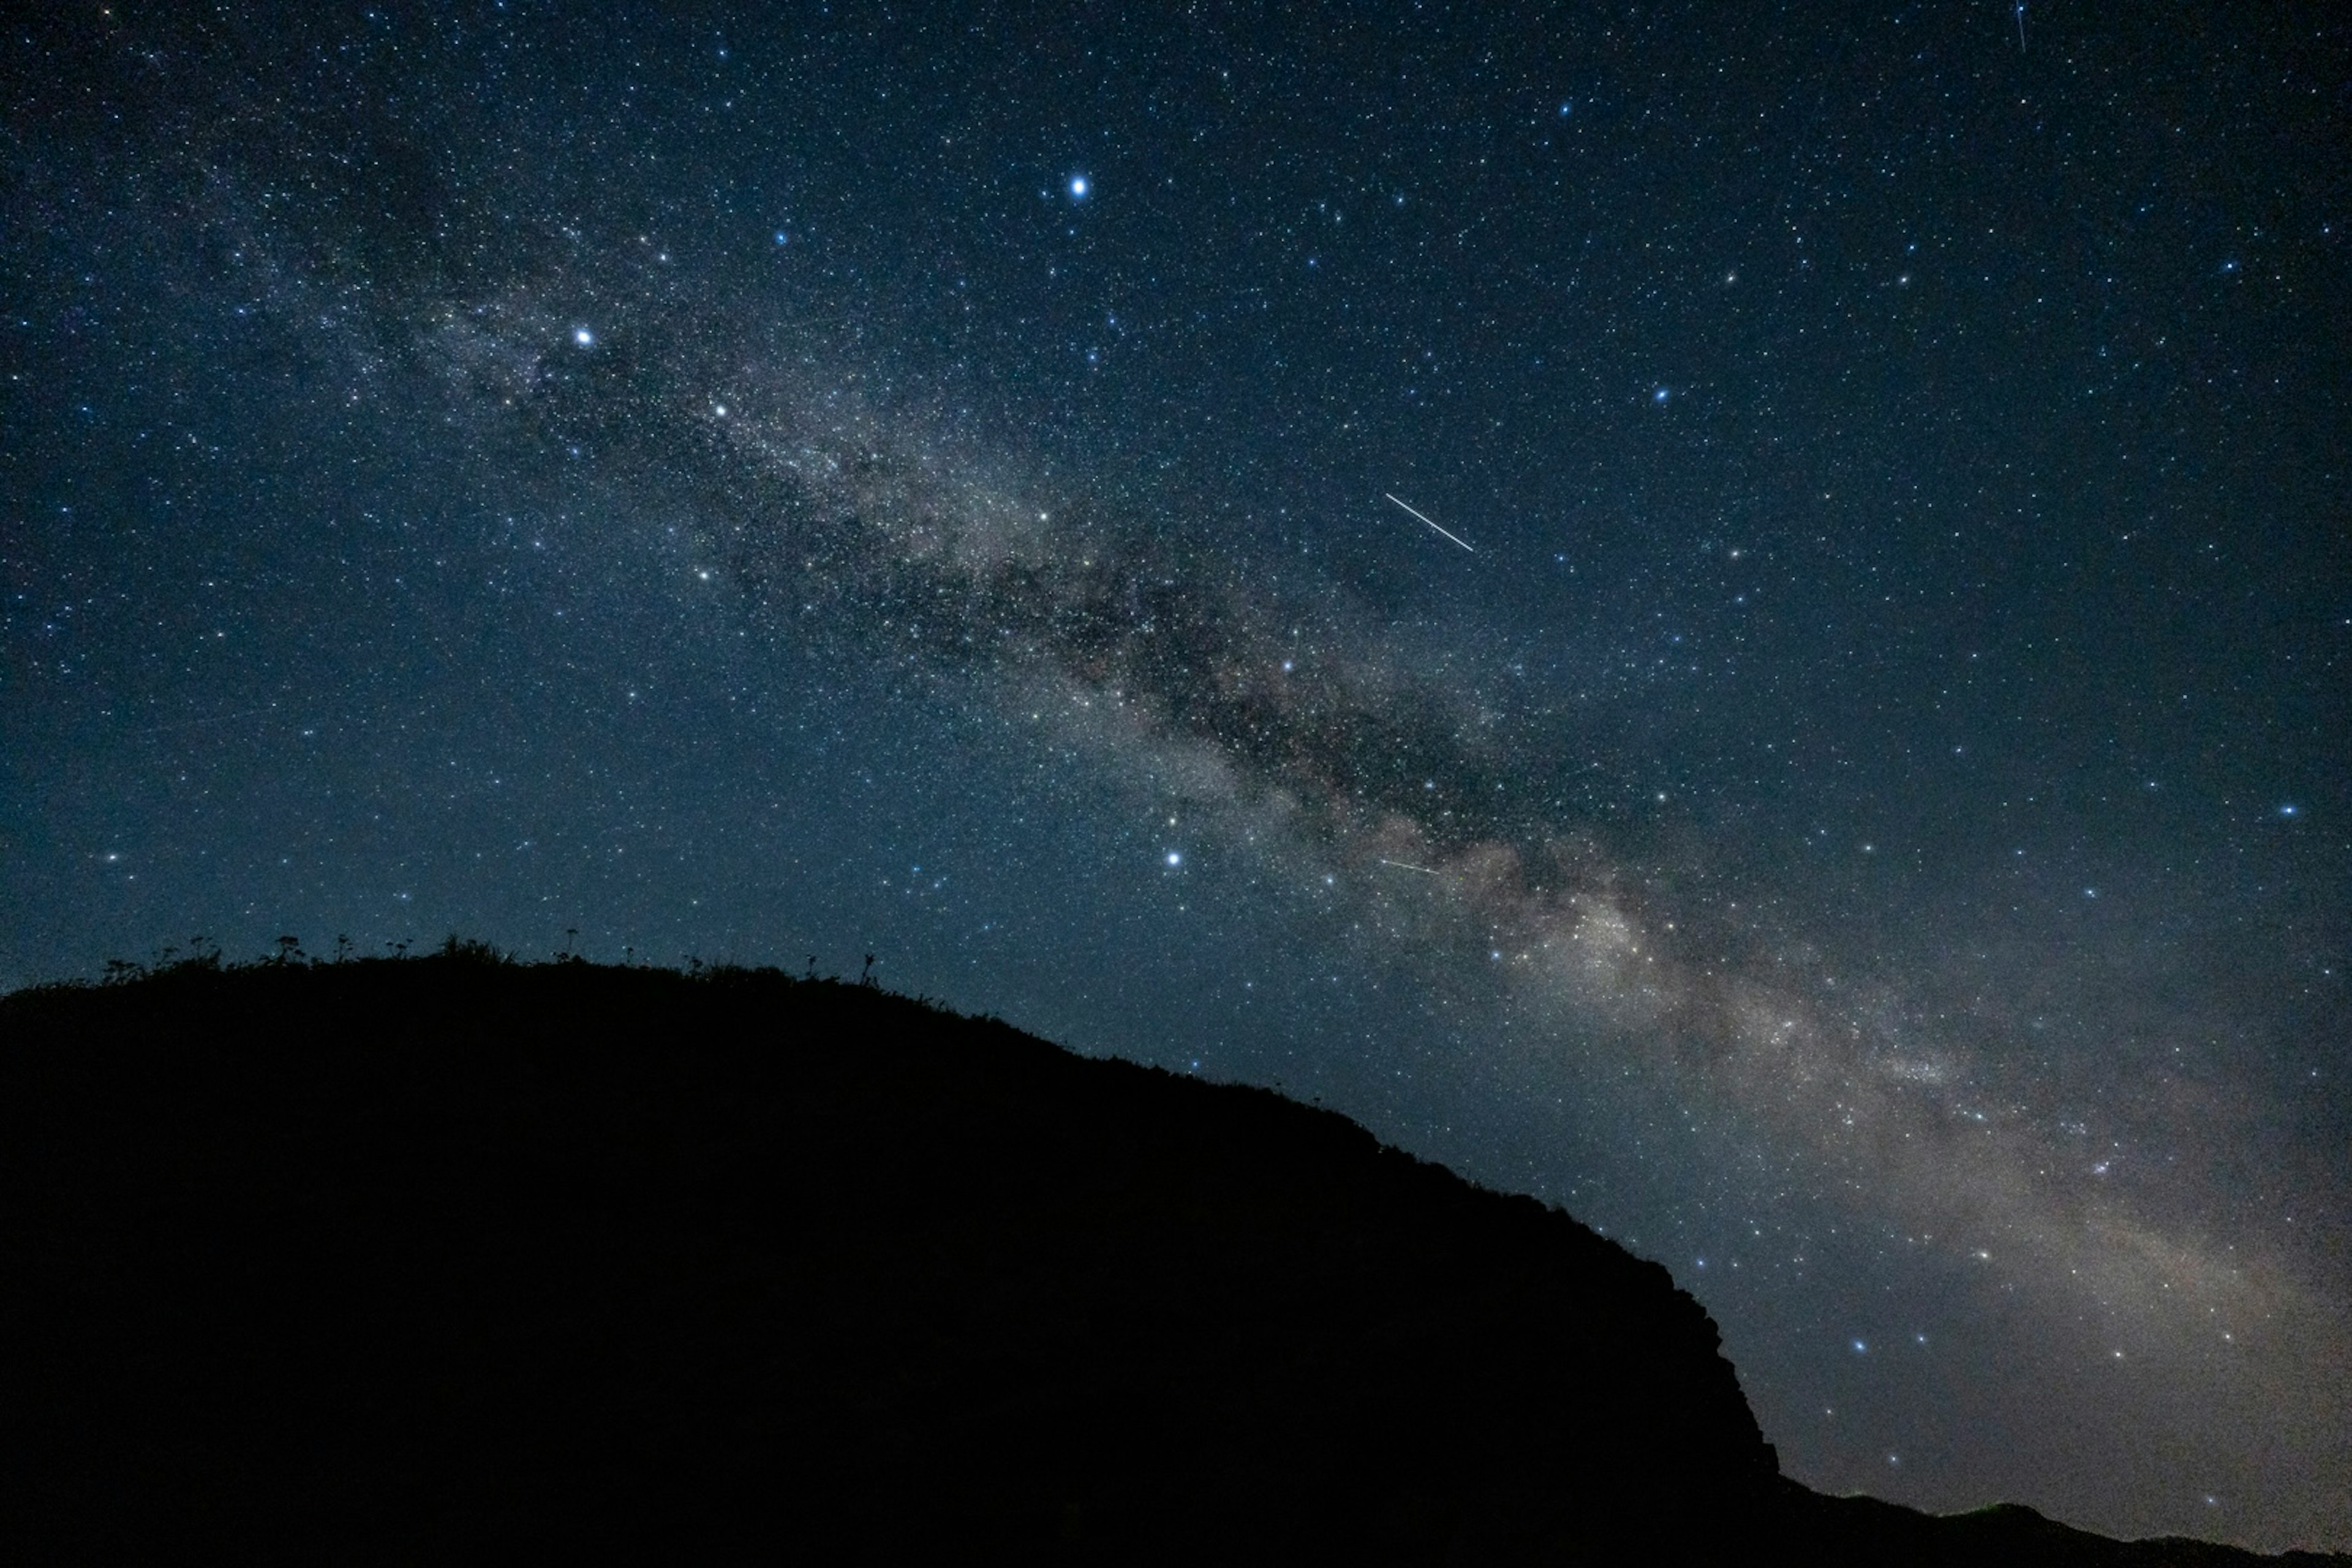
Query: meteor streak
point(1456, 537)
point(1406, 865)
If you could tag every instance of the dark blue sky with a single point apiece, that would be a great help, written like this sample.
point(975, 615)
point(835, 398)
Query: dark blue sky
point(1864, 819)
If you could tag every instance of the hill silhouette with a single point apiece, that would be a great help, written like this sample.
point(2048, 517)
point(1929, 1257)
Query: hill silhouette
point(452, 1257)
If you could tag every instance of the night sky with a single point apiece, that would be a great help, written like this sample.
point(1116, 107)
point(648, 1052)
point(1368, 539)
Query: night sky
point(1735, 616)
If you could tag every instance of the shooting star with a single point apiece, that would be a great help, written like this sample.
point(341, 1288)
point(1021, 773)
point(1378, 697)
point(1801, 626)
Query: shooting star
point(2021, 26)
point(1456, 537)
point(1407, 865)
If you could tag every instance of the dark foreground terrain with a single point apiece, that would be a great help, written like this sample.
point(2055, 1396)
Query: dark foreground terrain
point(450, 1259)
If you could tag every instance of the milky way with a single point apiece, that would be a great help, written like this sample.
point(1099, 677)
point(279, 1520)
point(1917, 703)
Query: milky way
point(1860, 825)
point(1341, 753)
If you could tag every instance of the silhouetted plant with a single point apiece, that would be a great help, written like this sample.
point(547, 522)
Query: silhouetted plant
point(289, 951)
point(342, 948)
point(203, 955)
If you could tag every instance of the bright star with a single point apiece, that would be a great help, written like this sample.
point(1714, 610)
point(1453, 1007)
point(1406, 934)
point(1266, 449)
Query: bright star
point(2287, 810)
point(582, 336)
point(1175, 859)
point(1660, 395)
point(1079, 187)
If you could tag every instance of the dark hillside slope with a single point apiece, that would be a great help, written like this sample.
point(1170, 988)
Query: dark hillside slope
point(398, 1261)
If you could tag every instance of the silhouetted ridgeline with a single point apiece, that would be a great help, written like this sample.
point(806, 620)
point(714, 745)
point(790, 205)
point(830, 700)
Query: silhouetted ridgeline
point(446, 1258)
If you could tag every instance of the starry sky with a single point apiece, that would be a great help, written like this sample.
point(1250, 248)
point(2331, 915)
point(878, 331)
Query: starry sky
point(1735, 616)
